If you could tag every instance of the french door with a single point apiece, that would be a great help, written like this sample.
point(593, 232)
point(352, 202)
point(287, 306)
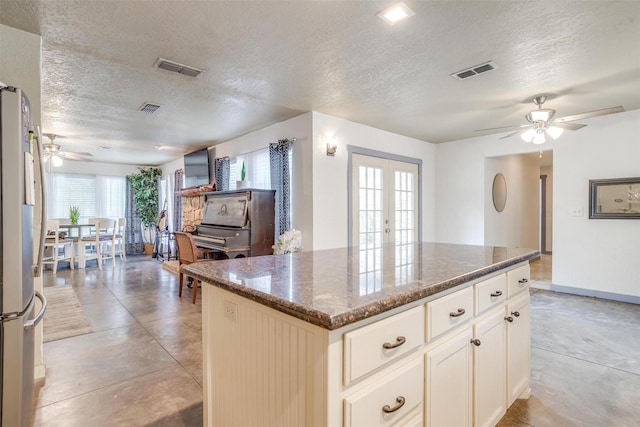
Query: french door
point(384, 201)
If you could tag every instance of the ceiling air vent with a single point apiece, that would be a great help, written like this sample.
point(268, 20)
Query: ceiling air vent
point(149, 108)
point(475, 70)
point(176, 67)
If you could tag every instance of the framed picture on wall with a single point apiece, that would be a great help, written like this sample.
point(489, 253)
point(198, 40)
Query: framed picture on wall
point(614, 198)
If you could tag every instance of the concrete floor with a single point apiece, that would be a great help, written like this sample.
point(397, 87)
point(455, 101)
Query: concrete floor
point(142, 364)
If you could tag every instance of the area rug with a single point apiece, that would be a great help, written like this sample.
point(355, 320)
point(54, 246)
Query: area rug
point(64, 317)
point(171, 266)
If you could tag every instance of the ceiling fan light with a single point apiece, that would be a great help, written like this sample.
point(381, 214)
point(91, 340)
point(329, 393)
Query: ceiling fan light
point(539, 138)
point(57, 161)
point(555, 132)
point(528, 135)
point(543, 115)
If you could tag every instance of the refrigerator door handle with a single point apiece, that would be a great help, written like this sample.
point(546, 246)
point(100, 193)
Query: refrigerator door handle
point(34, 322)
point(37, 269)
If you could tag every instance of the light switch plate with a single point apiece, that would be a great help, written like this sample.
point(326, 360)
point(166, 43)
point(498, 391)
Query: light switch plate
point(577, 212)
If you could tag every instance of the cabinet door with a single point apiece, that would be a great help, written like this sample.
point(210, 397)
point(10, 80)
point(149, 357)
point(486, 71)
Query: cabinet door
point(490, 369)
point(518, 346)
point(449, 382)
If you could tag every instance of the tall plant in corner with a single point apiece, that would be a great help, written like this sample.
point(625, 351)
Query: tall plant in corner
point(145, 202)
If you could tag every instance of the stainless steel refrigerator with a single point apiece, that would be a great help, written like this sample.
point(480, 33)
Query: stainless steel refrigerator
point(18, 266)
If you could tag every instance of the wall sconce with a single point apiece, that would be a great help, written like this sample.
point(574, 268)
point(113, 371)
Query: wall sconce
point(332, 146)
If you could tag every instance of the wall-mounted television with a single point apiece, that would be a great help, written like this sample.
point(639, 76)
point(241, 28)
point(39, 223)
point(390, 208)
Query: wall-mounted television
point(196, 168)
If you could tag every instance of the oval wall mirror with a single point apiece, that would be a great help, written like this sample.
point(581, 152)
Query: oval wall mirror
point(499, 192)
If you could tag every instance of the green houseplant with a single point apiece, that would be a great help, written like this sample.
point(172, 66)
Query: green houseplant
point(145, 202)
point(74, 214)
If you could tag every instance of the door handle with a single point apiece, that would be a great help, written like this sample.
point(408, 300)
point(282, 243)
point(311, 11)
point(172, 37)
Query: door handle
point(34, 322)
point(37, 268)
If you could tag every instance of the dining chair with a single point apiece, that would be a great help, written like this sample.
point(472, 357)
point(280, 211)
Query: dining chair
point(92, 245)
point(120, 237)
point(188, 253)
point(54, 244)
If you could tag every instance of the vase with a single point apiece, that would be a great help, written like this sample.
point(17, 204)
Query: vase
point(242, 184)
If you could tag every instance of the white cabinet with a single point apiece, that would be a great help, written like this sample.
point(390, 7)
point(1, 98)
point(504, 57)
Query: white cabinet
point(490, 369)
point(518, 346)
point(372, 346)
point(448, 392)
point(443, 361)
point(448, 312)
point(476, 370)
point(389, 400)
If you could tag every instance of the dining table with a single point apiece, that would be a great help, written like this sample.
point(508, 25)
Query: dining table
point(77, 232)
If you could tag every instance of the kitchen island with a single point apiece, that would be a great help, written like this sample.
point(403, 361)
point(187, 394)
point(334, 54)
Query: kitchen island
point(414, 334)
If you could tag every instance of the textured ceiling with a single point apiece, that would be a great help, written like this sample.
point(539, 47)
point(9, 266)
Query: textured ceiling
point(266, 61)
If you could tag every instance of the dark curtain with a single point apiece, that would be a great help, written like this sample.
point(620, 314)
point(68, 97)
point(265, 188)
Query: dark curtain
point(133, 239)
point(177, 201)
point(223, 169)
point(279, 163)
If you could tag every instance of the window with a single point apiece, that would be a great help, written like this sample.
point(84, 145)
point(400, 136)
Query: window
point(96, 195)
point(256, 167)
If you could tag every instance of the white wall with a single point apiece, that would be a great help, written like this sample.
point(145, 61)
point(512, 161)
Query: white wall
point(96, 168)
point(172, 166)
point(596, 254)
point(330, 192)
point(518, 224)
point(548, 171)
point(301, 188)
point(592, 255)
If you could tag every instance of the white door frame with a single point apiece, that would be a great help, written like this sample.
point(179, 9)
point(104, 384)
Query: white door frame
point(387, 156)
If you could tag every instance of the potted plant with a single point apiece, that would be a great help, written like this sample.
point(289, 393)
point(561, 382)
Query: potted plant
point(242, 183)
point(145, 202)
point(74, 214)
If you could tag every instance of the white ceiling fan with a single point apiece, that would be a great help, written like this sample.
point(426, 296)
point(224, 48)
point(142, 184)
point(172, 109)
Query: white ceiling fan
point(53, 153)
point(542, 122)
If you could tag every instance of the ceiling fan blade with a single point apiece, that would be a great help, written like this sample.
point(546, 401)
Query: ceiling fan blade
point(518, 132)
point(568, 126)
point(75, 156)
point(504, 127)
point(78, 153)
point(590, 114)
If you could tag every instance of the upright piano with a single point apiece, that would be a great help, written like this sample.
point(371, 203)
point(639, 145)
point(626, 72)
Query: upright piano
point(237, 223)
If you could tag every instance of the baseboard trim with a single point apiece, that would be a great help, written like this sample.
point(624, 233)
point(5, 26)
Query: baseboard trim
point(544, 285)
point(598, 294)
point(39, 372)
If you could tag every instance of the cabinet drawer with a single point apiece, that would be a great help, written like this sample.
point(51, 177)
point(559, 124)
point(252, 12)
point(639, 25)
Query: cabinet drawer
point(372, 346)
point(376, 405)
point(518, 280)
point(449, 311)
point(490, 292)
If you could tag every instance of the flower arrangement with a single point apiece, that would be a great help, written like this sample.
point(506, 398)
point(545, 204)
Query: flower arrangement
point(74, 214)
point(289, 241)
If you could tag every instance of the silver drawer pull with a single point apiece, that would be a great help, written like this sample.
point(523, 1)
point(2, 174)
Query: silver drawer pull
point(388, 409)
point(476, 342)
point(516, 313)
point(458, 313)
point(509, 319)
point(523, 281)
point(398, 343)
point(496, 293)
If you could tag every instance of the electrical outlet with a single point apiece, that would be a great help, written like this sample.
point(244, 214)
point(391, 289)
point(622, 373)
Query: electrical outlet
point(231, 310)
point(577, 212)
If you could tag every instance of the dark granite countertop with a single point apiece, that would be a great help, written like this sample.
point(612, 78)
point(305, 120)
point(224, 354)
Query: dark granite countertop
point(335, 287)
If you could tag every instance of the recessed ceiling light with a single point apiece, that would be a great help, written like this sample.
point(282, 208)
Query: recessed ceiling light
point(395, 13)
